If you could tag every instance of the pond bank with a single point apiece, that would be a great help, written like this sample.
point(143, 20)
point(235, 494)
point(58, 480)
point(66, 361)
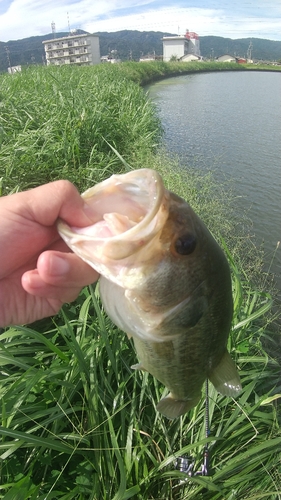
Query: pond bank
point(152, 71)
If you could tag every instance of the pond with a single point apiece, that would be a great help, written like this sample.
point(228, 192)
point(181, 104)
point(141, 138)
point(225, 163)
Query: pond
point(230, 123)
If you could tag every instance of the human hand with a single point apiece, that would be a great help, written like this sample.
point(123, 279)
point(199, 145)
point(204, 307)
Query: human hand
point(38, 273)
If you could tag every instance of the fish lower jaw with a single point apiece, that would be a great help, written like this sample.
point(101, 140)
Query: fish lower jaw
point(147, 336)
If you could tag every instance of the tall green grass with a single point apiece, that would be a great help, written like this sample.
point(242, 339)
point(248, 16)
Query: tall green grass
point(57, 123)
point(76, 421)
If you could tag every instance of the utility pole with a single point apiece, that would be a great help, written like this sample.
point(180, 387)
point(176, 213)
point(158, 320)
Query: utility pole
point(249, 51)
point(8, 56)
point(53, 26)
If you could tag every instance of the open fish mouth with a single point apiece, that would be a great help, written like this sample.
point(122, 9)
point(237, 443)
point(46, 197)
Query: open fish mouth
point(128, 212)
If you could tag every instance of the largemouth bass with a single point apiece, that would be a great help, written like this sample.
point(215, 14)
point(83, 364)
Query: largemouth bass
point(164, 281)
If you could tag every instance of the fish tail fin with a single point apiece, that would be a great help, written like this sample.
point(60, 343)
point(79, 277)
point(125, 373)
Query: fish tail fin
point(172, 408)
point(225, 377)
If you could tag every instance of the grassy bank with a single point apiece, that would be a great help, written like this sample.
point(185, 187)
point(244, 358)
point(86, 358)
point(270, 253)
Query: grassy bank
point(147, 72)
point(76, 422)
point(55, 123)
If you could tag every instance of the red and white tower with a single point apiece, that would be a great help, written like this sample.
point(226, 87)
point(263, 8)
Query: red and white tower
point(193, 43)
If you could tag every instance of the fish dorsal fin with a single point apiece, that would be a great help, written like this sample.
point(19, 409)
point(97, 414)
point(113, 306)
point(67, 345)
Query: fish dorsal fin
point(225, 377)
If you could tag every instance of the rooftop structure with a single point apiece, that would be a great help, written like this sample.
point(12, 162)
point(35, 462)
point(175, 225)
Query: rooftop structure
point(73, 49)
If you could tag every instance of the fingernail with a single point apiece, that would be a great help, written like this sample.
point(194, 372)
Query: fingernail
point(58, 266)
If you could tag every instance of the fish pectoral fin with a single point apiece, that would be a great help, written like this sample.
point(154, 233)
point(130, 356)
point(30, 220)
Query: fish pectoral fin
point(173, 408)
point(138, 366)
point(188, 312)
point(225, 377)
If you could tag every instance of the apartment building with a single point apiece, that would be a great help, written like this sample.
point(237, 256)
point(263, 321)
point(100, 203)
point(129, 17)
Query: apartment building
point(73, 49)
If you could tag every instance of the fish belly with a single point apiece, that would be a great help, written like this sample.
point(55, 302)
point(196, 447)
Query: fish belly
point(183, 362)
point(180, 364)
point(182, 371)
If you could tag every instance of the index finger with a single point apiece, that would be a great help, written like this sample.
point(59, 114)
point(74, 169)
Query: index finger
point(45, 204)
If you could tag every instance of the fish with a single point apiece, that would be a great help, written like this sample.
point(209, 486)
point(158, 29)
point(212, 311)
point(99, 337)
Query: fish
point(164, 281)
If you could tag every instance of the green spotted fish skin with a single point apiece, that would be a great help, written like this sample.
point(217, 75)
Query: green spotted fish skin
point(164, 281)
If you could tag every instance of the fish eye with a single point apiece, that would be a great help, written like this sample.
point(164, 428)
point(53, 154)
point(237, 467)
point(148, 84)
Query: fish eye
point(186, 244)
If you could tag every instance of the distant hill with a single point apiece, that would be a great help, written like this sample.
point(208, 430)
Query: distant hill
point(137, 43)
point(263, 50)
point(133, 44)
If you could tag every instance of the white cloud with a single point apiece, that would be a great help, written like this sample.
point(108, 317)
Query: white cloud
point(26, 18)
point(170, 20)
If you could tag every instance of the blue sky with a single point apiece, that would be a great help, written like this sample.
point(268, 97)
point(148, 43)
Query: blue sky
point(229, 18)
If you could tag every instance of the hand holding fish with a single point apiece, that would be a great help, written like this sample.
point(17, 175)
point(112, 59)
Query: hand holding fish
point(37, 271)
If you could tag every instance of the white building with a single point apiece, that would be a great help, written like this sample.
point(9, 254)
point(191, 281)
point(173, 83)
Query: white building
point(73, 49)
point(111, 60)
point(14, 69)
point(179, 46)
point(226, 58)
point(190, 57)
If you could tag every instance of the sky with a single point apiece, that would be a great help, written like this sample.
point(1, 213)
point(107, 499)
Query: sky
point(227, 18)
